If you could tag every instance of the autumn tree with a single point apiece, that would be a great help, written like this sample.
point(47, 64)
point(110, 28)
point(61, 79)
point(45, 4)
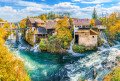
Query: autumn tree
point(1, 20)
point(94, 14)
point(71, 23)
point(11, 68)
point(92, 22)
point(64, 35)
point(13, 25)
point(43, 17)
point(6, 25)
point(23, 23)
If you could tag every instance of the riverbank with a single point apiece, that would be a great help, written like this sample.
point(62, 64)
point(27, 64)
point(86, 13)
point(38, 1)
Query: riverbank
point(11, 68)
point(61, 67)
point(114, 74)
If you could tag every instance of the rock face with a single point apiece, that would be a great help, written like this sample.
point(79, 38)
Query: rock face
point(95, 73)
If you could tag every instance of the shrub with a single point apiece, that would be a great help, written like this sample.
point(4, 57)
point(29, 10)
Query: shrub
point(42, 45)
point(113, 76)
point(78, 48)
point(100, 42)
point(91, 48)
point(65, 45)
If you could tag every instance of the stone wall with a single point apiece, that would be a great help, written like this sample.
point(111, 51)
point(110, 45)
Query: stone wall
point(85, 39)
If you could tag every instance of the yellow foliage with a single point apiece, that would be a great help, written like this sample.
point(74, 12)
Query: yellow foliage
point(6, 25)
point(11, 68)
point(43, 17)
point(92, 22)
point(113, 76)
point(30, 36)
point(63, 32)
point(13, 26)
point(2, 32)
point(1, 20)
point(23, 23)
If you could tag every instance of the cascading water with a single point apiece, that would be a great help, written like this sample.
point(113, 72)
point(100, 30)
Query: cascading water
point(50, 67)
point(35, 48)
point(100, 62)
point(103, 37)
point(40, 66)
point(72, 52)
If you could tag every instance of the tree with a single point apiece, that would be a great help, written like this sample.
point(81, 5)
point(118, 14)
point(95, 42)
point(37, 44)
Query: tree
point(94, 15)
point(92, 22)
point(42, 45)
point(13, 25)
point(11, 68)
point(71, 23)
point(43, 17)
point(68, 15)
point(23, 23)
point(63, 32)
point(1, 20)
point(6, 25)
point(51, 15)
point(28, 17)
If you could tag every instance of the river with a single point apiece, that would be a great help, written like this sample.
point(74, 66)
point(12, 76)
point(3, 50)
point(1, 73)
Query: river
point(56, 67)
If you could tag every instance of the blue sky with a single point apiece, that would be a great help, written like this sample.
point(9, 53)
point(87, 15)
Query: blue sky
point(16, 10)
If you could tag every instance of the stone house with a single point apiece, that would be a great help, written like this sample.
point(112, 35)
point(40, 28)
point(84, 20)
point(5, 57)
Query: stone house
point(98, 26)
point(83, 34)
point(41, 28)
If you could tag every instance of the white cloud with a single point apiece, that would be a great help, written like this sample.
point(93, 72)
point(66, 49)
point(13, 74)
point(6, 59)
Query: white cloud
point(64, 6)
point(34, 9)
point(93, 1)
point(28, 4)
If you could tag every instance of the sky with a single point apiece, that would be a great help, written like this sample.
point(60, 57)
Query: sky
point(16, 10)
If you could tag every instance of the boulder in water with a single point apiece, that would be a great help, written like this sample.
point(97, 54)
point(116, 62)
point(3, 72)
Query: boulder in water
point(94, 73)
point(104, 62)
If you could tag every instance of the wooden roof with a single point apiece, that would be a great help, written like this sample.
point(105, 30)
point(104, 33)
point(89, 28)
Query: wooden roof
point(92, 32)
point(32, 20)
point(81, 21)
point(98, 22)
point(50, 25)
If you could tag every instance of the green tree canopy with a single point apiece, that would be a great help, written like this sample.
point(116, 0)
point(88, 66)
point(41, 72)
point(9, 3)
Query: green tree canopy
point(94, 15)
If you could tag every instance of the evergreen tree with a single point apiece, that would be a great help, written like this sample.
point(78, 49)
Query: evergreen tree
point(94, 15)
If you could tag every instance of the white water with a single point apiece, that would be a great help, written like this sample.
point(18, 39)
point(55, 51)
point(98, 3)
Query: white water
point(83, 68)
point(72, 52)
point(35, 48)
point(103, 37)
point(40, 66)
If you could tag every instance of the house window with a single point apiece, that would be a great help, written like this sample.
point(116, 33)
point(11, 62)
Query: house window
point(42, 23)
point(83, 26)
point(86, 26)
point(93, 37)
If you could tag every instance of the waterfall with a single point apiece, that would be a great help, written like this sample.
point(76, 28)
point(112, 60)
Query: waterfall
point(102, 61)
point(71, 51)
point(35, 48)
point(103, 36)
point(24, 45)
